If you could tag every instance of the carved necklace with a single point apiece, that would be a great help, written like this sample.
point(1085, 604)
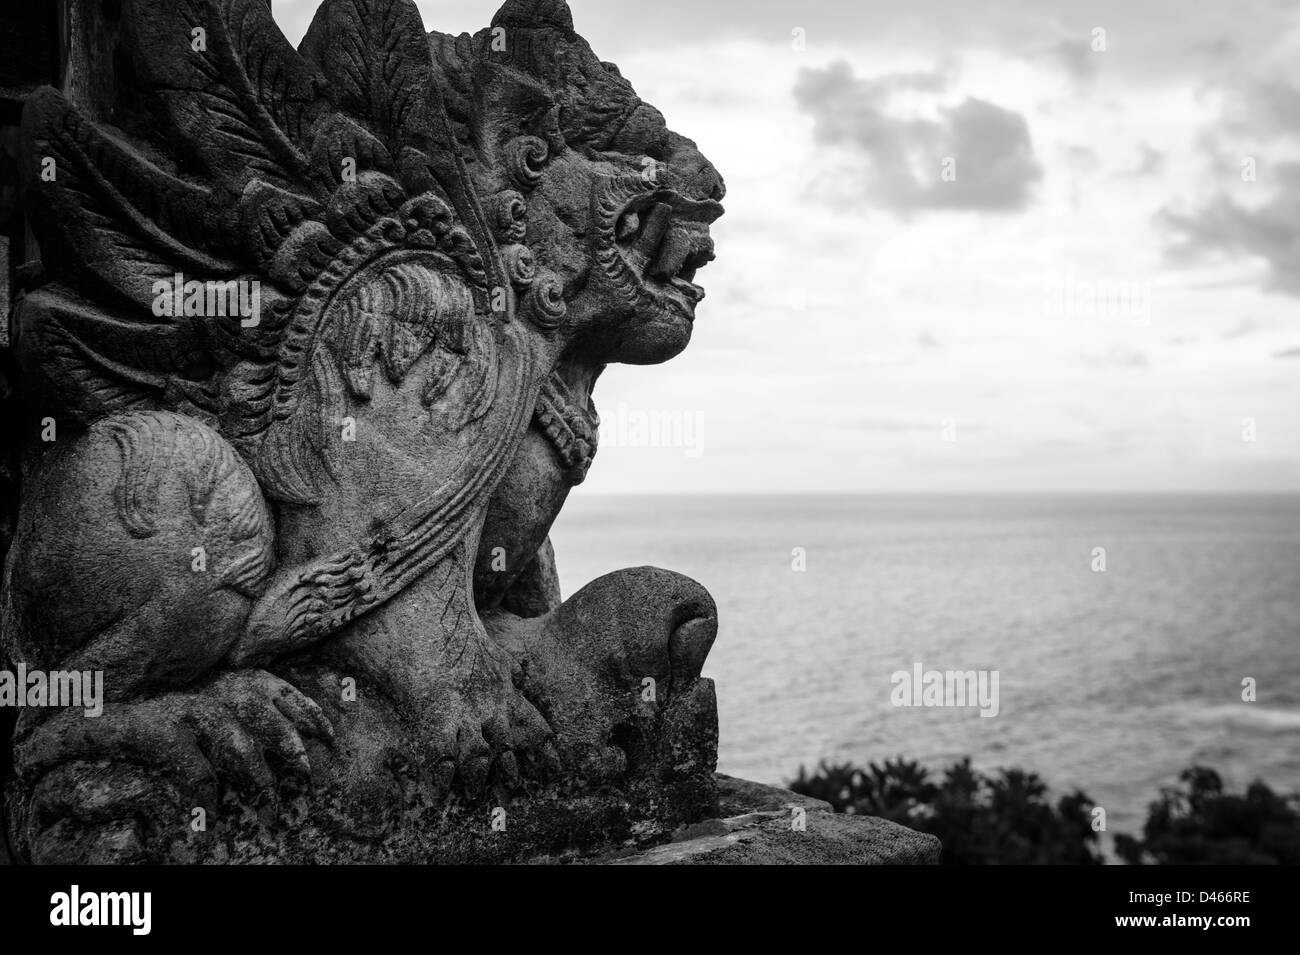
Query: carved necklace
point(572, 430)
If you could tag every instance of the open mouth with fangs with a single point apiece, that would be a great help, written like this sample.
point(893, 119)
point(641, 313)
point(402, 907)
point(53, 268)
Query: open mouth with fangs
point(660, 241)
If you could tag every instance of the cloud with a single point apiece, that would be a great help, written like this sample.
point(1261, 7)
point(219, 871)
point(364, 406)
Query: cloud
point(1081, 159)
point(876, 290)
point(1227, 228)
point(1268, 106)
point(1076, 57)
point(1151, 162)
point(1117, 356)
point(880, 424)
point(1257, 129)
point(1244, 328)
point(994, 167)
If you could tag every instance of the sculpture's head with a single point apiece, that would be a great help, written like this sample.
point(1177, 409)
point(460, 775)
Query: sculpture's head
point(612, 207)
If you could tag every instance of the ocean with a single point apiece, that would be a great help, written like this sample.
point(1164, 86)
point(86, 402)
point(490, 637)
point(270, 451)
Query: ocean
point(1111, 681)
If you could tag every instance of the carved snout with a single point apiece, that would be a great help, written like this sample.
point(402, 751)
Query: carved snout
point(692, 173)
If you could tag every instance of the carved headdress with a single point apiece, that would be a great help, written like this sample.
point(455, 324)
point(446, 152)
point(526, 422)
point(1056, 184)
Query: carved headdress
point(292, 172)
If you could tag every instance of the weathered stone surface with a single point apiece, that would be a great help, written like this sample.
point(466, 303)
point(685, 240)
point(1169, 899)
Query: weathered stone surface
point(305, 376)
point(738, 796)
point(756, 829)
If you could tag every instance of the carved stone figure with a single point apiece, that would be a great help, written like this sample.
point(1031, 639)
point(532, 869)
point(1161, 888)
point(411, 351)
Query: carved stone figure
point(306, 378)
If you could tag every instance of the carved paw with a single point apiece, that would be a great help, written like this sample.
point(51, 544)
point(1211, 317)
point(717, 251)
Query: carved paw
point(486, 734)
point(616, 670)
point(115, 787)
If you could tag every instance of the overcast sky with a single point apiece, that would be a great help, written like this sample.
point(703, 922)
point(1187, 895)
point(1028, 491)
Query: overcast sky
point(881, 319)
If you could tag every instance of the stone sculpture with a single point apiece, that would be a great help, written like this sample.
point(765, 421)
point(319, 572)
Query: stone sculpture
point(305, 378)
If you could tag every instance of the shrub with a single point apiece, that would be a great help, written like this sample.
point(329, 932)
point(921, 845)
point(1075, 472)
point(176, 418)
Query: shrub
point(1200, 824)
point(1005, 819)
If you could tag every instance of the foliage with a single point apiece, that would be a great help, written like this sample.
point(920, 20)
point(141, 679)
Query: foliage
point(1199, 823)
point(1004, 819)
point(1007, 818)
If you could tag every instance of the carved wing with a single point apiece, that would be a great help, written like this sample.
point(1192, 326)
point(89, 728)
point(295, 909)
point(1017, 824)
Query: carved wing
point(261, 171)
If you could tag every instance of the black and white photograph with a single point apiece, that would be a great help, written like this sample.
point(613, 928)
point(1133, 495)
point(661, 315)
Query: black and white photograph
point(782, 433)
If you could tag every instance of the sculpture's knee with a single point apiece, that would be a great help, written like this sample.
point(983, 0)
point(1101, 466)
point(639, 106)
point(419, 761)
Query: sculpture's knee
point(138, 545)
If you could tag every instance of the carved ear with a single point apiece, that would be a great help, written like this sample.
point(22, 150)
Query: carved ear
point(528, 14)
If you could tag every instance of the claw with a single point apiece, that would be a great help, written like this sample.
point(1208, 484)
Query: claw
point(231, 747)
point(496, 732)
point(551, 762)
point(507, 771)
point(443, 774)
point(305, 714)
point(530, 729)
point(474, 776)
